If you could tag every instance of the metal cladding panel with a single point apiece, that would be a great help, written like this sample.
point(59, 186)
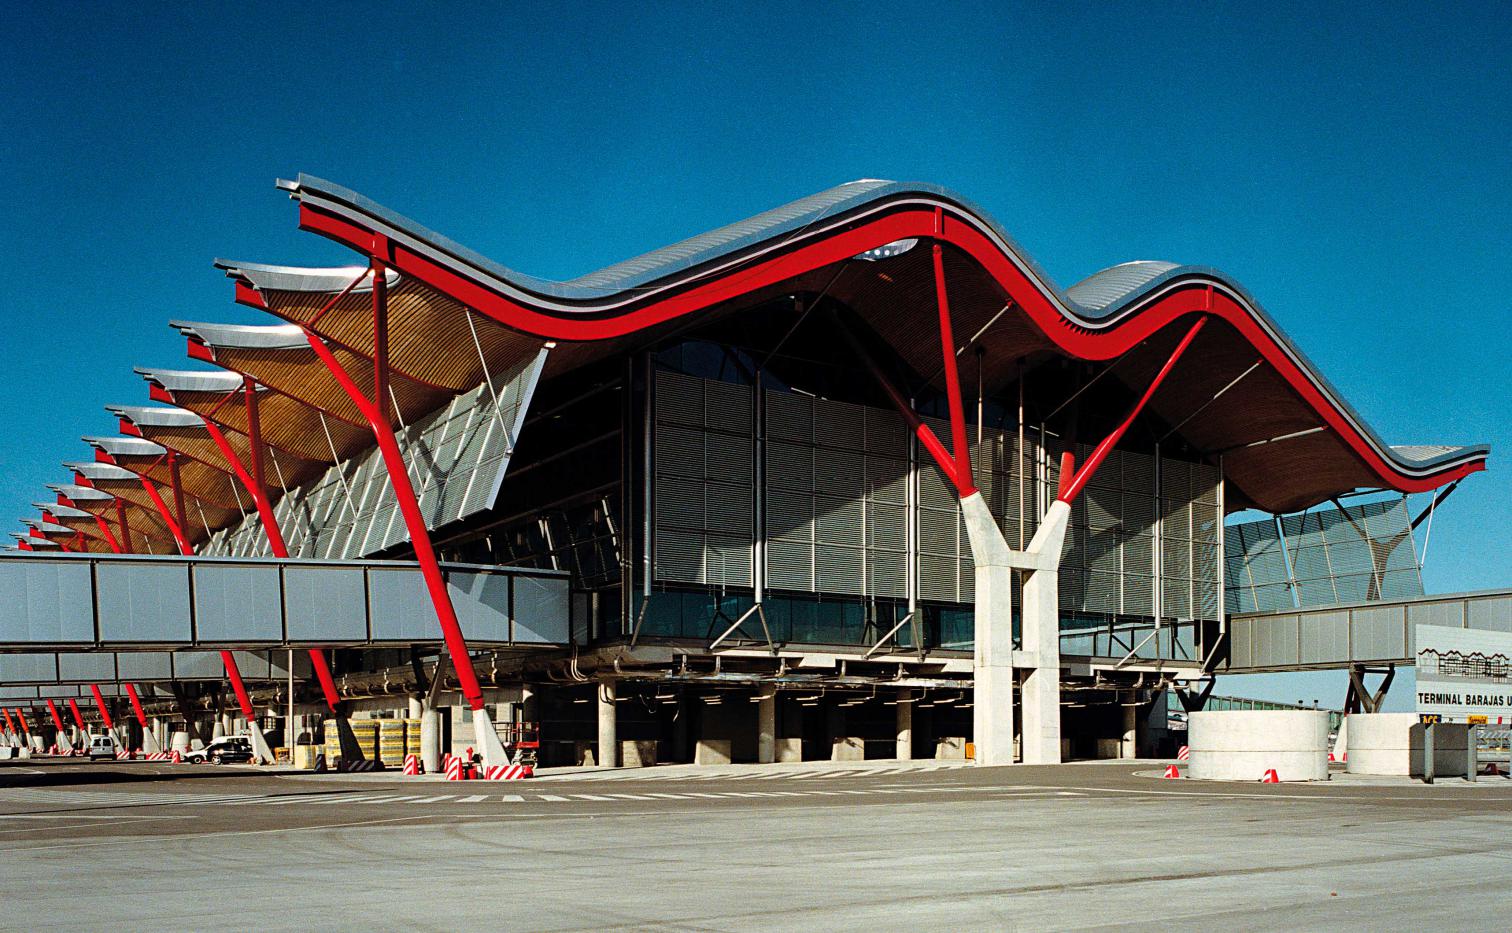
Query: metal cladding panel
point(325, 603)
point(88, 668)
point(40, 667)
point(237, 604)
point(541, 613)
point(401, 610)
point(704, 505)
point(1325, 638)
point(1241, 636)
point(143, 602)
point(144, 665)
point(482, 604)
point(1380, 633)
point(1493, 615)
point(45, 602)
point(1275, 641)
point(202, 665)
point(1450, 613)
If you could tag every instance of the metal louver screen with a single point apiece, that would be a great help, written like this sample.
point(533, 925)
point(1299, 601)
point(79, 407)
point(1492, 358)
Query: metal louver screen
point(1325, 557)
point(704, 474)
point(836, 497)
point(456, 457)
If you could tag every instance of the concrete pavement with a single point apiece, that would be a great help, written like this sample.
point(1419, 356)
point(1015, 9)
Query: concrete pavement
point(1078, 846)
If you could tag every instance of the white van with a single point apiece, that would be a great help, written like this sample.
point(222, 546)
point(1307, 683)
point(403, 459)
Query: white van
point(101, 746)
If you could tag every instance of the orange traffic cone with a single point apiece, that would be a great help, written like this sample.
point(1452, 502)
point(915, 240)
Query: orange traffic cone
point(1171, 772)
point(1330, 758)
point(1270, 777)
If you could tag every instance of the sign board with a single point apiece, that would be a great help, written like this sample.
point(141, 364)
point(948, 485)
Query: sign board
point(1464, 675)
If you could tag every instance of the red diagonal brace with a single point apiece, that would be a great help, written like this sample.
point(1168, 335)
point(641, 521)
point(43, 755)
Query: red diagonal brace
point(1069, 491)
point(105, 531)
point(234, 673)
point(100, 702)
point(393, 461)
point(57, 720)
point(78, 716)
point(927, 437)
point(952, 378)
point(136, 706)
point(10, 724)
point(120, 510)
point(168, 519)
point(24, 726)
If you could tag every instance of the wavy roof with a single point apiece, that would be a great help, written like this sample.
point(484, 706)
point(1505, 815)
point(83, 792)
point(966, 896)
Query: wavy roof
point(1096, 319)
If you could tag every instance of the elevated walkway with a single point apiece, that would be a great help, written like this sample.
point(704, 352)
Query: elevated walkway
point(146, 618)
point(1343, 636)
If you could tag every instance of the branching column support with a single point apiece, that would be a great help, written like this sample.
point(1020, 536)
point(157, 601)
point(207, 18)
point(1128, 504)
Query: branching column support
point(105, 532)
point(104, 712)
point(149, 741)
point(995, 657)
point(253, 482)
point(260, 747)
point(375, 411)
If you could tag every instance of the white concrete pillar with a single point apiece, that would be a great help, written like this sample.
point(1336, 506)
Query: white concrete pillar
point(218, 728)
point(905, 724)
point(608, 732)
point(1040, 693)
point(430, 737)
point(993, 674)
point(1130, 747)
point(414, 708)
point(766, 729)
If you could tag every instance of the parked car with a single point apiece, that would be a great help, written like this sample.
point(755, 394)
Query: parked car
point(101, 746)
point(227, 750)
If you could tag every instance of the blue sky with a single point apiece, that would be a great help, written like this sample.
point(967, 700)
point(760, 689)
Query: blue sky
point(1352, 166)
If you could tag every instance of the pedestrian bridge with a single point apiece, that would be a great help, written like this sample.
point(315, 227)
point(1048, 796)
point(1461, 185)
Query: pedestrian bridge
point(78, 617)
point(1360, 633)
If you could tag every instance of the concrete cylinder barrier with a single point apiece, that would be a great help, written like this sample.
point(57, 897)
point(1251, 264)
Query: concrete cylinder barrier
point(1381, 743)
point(1242, 745)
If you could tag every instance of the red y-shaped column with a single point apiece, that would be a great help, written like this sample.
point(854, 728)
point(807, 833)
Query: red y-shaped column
point(77, 716)
point(57, 720)
point(176, 527)
point(104, 713)
point(393, 461)
point(1069, 490)
point(253, 482)
point(105, 532)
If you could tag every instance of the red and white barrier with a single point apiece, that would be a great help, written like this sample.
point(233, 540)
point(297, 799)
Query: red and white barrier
point(1270, 777)
point(411, 765)
point(158, 756)
point(175, 758)
point(1184, 753)
point(454, 769)
point(1171, 772)
point(521, 772)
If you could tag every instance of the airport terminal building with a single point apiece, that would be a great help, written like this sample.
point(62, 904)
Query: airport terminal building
point(849, 478)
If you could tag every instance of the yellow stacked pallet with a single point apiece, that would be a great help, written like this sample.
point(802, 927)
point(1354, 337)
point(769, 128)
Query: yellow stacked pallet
point(332, 742)
point(412, 736)
point(391, 742)
point(366, 733)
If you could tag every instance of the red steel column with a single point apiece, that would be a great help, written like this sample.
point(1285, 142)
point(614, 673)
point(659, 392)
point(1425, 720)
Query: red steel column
point(234, 673)
point(173, 525)
point(959, 447)
point(10, 724)
point(254, 485)
point(1069, 491)
point(136, 705)
point(404, 491)
point(24, 726)
point(100, 702)
point(78, 716)
point(110, 538)
point(57, 720)
point(125, 525)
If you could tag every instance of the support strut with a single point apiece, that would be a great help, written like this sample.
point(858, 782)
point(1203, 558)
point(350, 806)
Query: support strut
point(373, 409)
